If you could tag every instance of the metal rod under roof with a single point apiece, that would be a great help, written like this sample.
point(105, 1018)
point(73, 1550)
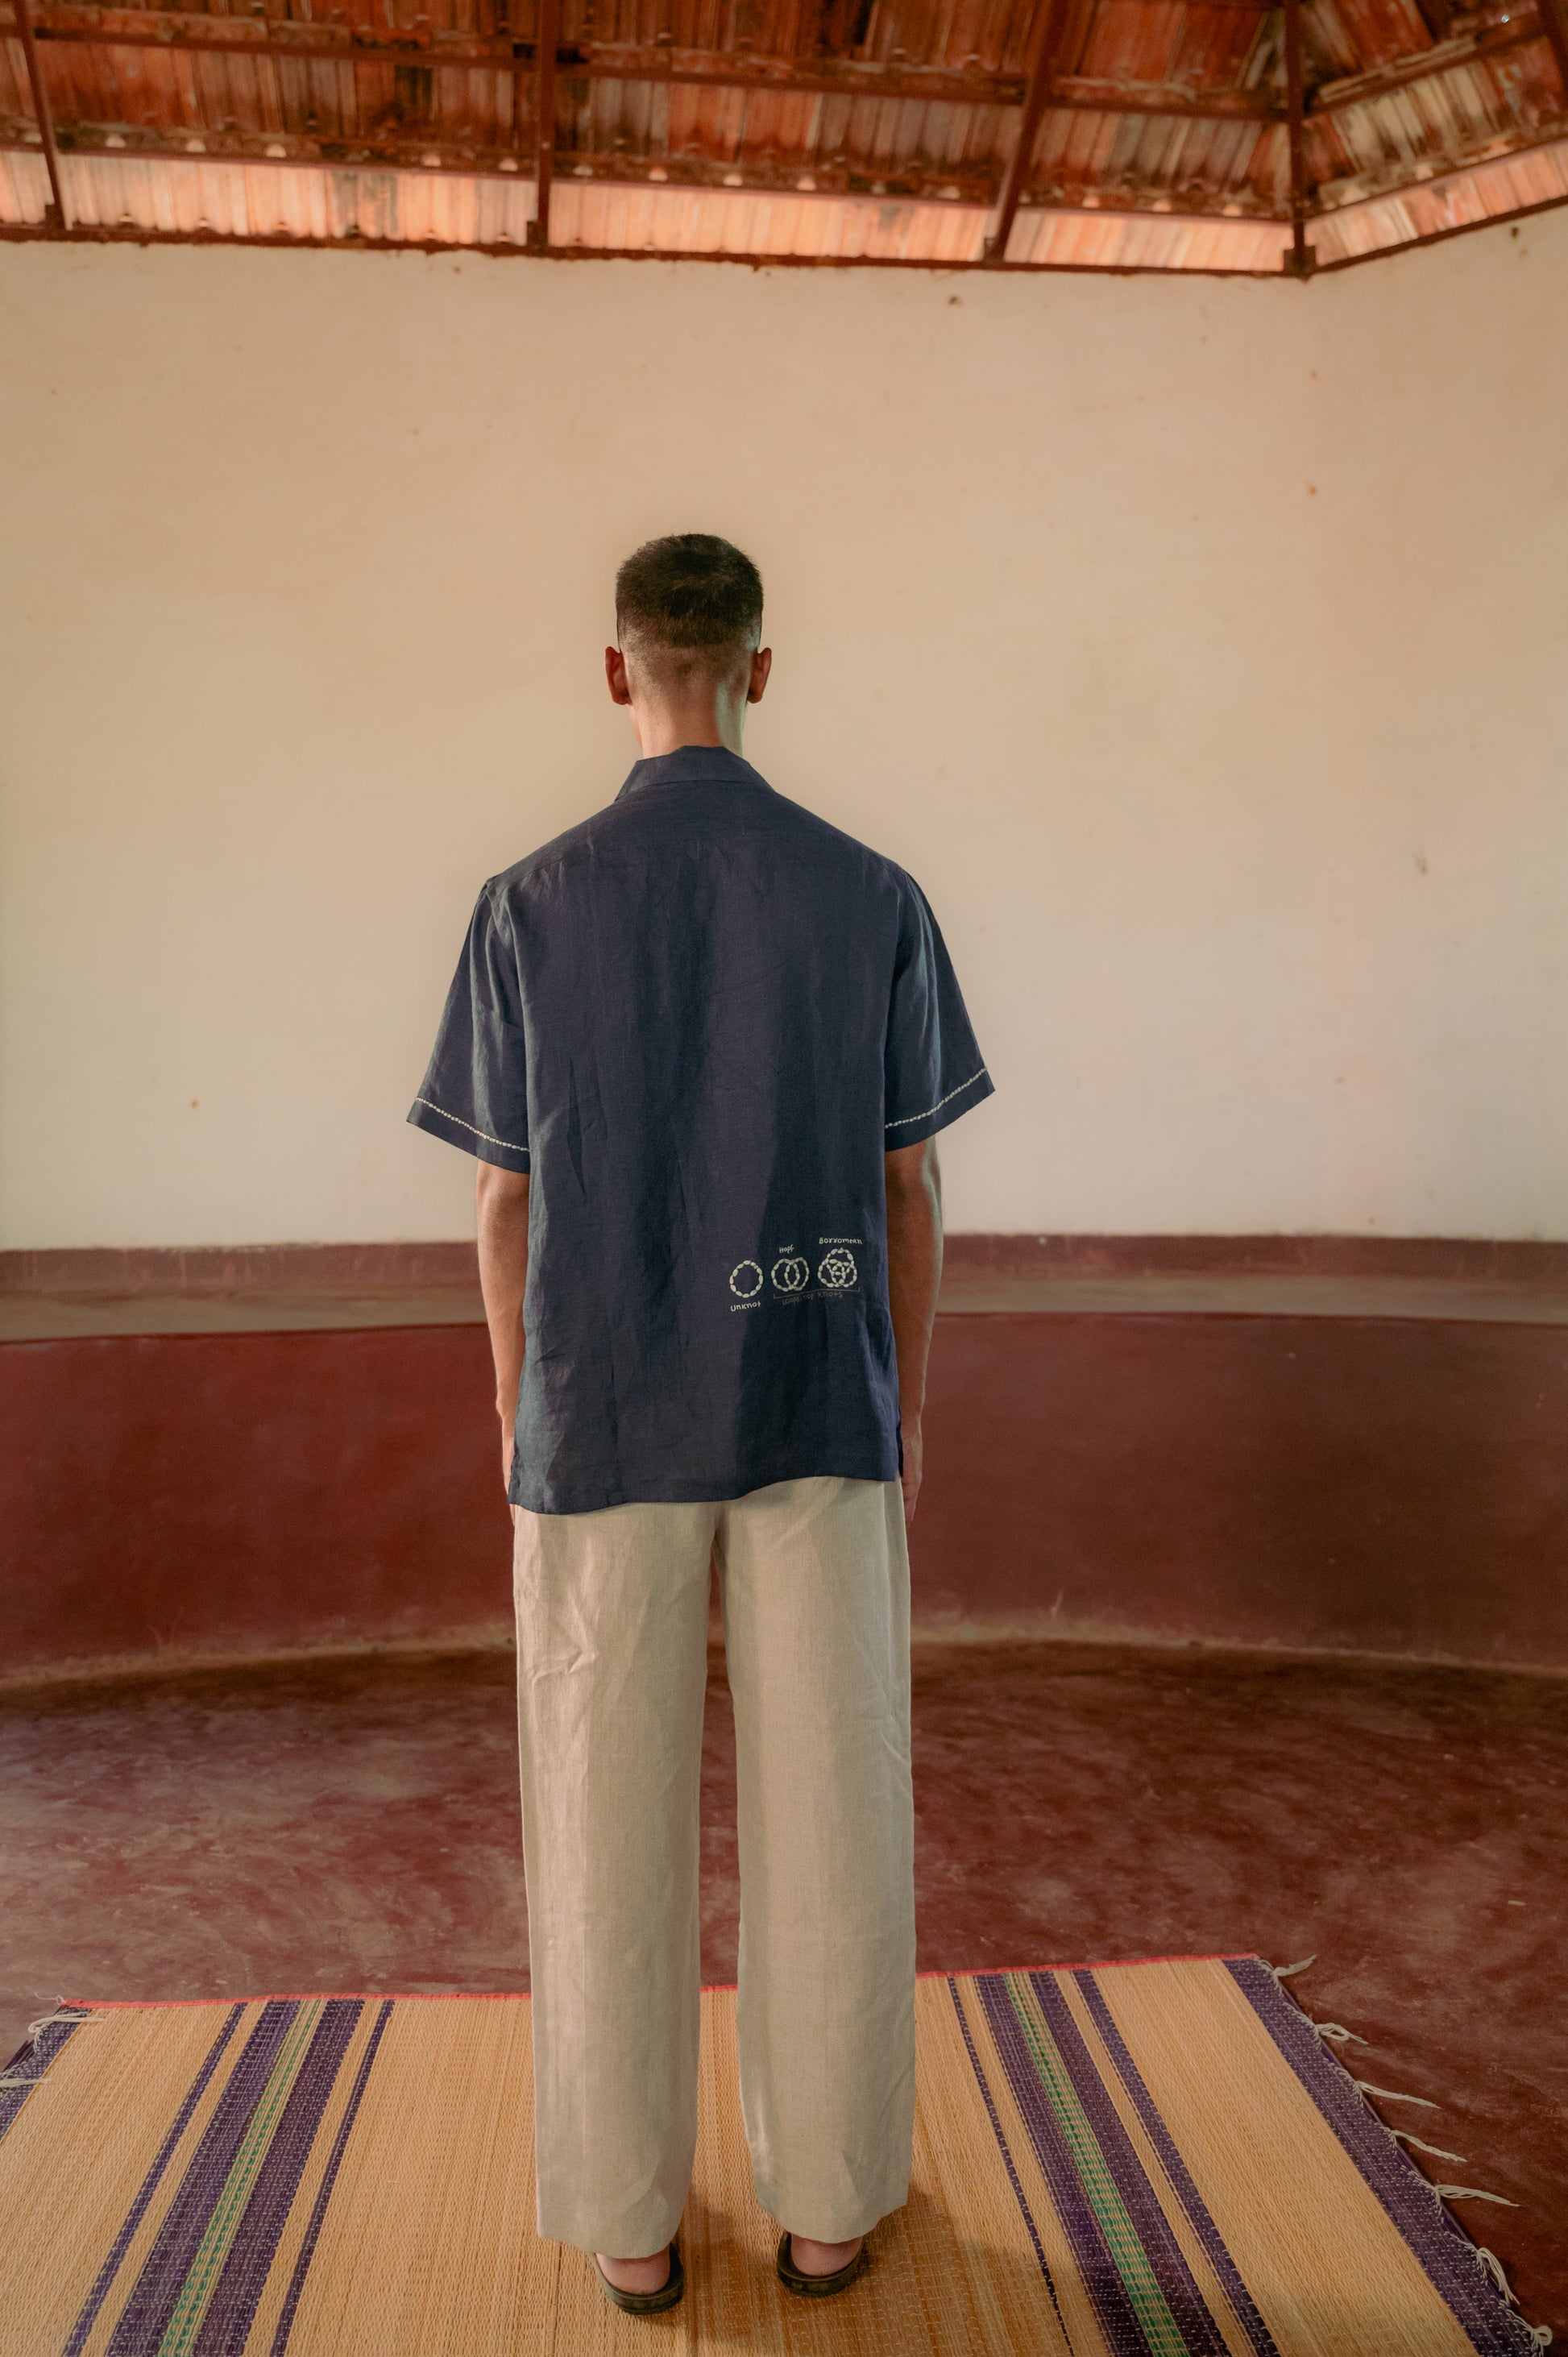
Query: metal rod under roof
point(41, 114)
point(1300, 260)
point(545, 122)
point(1554, 24)
point(1050, 17)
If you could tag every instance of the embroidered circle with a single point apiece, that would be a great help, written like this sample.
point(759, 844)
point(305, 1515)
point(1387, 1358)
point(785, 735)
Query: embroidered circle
point(746, 1279)
point(838, 1269)
point(790, 1275)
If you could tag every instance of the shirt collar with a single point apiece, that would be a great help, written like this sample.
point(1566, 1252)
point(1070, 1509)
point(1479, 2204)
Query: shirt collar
point(692, 765)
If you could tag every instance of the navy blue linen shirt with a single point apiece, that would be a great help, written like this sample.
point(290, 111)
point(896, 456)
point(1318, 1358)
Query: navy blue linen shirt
point(700, 1020)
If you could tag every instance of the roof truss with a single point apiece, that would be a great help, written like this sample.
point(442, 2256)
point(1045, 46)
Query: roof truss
point(1264, 125)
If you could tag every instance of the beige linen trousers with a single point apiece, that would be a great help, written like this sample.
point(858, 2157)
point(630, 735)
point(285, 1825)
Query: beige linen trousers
point(612, 1624)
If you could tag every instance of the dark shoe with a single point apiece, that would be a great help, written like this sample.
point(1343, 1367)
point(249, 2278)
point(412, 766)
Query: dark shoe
point(648, 2303)
point(818, 2286)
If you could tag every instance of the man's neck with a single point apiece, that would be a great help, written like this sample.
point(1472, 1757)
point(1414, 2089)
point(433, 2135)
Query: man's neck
point(666, 728)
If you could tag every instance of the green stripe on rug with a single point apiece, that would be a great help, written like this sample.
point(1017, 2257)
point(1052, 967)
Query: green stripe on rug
point(195, 2292)
point(1159, 2327)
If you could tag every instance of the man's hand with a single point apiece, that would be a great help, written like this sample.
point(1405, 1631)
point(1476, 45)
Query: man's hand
point(500, 1219)
point(914, 1277)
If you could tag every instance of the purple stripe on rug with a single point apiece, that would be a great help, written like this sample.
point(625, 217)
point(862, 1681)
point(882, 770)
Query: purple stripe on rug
point(149, 2186)
point(1176, 2168)
point(1439, 2242)
point(145, 2318)
point(226, 2326)
point(29, 2062)
point(329, 2178)
point(1176, 2281)
point(1125, 2336)
point(1013, 2180)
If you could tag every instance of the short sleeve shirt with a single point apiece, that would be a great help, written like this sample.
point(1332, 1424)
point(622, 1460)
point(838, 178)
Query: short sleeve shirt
point(699, 1021)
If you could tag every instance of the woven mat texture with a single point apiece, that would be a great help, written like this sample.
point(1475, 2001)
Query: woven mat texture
point(1129, 2160)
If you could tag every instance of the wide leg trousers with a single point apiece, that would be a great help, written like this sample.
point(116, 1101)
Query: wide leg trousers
point(612, 1623)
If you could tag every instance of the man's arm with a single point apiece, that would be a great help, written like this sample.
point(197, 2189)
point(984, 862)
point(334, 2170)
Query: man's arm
point(914, 1276)
point(500, 1206)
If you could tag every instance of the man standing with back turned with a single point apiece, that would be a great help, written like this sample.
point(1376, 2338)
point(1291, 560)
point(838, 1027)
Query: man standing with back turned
point(701, 1047)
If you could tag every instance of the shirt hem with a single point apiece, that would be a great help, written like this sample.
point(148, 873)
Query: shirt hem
point(713, 1492)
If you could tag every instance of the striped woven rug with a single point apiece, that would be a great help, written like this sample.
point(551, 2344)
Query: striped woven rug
point(1128, 2160)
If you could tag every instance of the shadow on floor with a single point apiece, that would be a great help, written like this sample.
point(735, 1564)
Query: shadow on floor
point(353, 1825)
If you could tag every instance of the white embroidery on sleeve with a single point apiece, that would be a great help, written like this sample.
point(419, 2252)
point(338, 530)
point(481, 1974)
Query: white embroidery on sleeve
point(904, 1119)
point(457, 1117)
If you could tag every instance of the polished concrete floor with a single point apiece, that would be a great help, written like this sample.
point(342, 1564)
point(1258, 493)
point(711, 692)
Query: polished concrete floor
point(352, 1825)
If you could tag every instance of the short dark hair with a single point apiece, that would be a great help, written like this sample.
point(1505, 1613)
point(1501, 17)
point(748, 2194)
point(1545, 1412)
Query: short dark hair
point(690, 594)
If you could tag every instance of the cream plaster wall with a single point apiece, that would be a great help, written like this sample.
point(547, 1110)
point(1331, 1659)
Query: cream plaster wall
point(1199, 646)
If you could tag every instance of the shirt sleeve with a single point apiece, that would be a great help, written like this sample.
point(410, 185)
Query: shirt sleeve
point(932, 1071)
point(475, 1093)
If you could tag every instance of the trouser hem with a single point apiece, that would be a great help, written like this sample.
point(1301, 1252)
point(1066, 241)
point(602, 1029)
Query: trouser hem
point(805, 2216)
point(616, 2238)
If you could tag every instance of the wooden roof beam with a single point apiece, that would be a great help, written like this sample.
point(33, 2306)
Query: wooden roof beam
point(1397, 178)
point(545, 122)
point(191, 35)
point(1049, 24)
point(41, 116)
point(186, 32)
point(1301, 258)
point(140, 146)
point(1399, 73)
point(1554, 24)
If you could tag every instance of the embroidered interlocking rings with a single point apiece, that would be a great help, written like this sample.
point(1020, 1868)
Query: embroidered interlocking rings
point(791, 1273)
point(838, 1270)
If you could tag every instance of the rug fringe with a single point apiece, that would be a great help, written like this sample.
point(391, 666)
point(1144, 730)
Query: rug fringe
point(64, 2011)
point(1334, 2033)
point(10, 2077)
point(1541, 2334)
point(1390, 2095)
point(1404, 2135)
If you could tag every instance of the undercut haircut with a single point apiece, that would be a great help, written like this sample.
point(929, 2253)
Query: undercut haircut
point(688, 603)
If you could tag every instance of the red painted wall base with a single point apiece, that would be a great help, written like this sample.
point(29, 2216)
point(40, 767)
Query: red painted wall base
point(1379, 1484)
point(1389, 1484)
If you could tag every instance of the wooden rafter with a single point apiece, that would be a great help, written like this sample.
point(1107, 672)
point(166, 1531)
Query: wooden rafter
point(1442, 236)
point(1050, 22)
point(1401, 73)
point(1300, 259)
point(606, 172)
point(41, 114)
point(189, 35)
point(422, 159)
point(185, 33)
point(1043, 87)
point(292, 242)
point(1375, 186)
point(1554, 24)
point(545, 121)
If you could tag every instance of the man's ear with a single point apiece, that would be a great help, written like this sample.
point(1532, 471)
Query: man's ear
point(761, 664)
point(615, 675)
